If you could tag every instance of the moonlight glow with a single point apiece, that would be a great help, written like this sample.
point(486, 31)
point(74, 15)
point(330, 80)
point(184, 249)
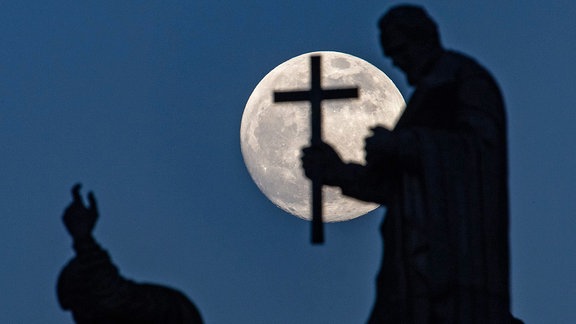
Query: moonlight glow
point(272, 134)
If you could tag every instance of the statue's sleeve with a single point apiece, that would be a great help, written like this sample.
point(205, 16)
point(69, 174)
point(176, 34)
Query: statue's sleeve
point(90, 282)
point(361, 182)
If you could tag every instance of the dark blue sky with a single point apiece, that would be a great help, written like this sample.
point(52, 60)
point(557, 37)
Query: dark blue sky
point(142, 101)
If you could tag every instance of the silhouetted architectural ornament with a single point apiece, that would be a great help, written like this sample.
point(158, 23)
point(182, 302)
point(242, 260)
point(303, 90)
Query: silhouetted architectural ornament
point(91, 287)
point(442, 175)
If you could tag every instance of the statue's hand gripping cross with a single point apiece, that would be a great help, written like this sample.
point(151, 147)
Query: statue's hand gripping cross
point(315, 96)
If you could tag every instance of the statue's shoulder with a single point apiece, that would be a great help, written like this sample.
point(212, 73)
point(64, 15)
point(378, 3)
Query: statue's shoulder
point(464, 66)
point(454, 68)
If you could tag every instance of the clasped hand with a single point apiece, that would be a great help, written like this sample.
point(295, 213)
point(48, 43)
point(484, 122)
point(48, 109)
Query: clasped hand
point(79, 219)
point(322, 158)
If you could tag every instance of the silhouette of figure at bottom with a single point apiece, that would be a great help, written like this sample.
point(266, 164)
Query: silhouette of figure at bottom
point(91, 287)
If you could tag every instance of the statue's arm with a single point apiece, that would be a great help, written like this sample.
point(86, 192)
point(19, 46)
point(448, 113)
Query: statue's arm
point(355, 180)
point(89, 277)
point(480, 120)
point(360, 182)
point(90, 283)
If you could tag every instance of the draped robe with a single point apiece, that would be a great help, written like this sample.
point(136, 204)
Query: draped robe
point(443, 180)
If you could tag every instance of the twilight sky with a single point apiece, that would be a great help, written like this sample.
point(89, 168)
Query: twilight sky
point(141, 101)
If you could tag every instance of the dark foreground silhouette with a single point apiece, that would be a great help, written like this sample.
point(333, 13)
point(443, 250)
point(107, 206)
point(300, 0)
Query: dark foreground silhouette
point(91, 287)
point(442, 175)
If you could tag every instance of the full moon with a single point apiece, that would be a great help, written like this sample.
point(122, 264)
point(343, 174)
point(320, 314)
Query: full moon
point(273, 134)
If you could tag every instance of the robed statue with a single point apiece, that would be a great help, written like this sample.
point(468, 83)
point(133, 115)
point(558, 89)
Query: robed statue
point(91, 287)
point(442, 176)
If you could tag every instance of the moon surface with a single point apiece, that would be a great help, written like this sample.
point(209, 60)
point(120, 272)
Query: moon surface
point(273, 134)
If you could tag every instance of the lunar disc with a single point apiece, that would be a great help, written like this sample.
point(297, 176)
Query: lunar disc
point(273, 134)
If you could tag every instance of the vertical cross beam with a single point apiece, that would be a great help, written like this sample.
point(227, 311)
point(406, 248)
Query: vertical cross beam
point(315, 95)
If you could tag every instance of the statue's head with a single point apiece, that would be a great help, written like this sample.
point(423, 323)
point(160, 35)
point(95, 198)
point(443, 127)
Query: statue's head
point(410, 38)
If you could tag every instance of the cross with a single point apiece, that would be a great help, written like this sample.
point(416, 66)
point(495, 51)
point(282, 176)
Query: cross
point(315, 96)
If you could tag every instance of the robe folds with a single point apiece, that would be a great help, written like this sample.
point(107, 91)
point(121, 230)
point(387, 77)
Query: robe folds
point(91, 286)
point(444, 181)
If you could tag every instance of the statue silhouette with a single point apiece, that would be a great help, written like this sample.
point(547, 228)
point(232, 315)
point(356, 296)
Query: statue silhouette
point(92, 288)
point(442, 175)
